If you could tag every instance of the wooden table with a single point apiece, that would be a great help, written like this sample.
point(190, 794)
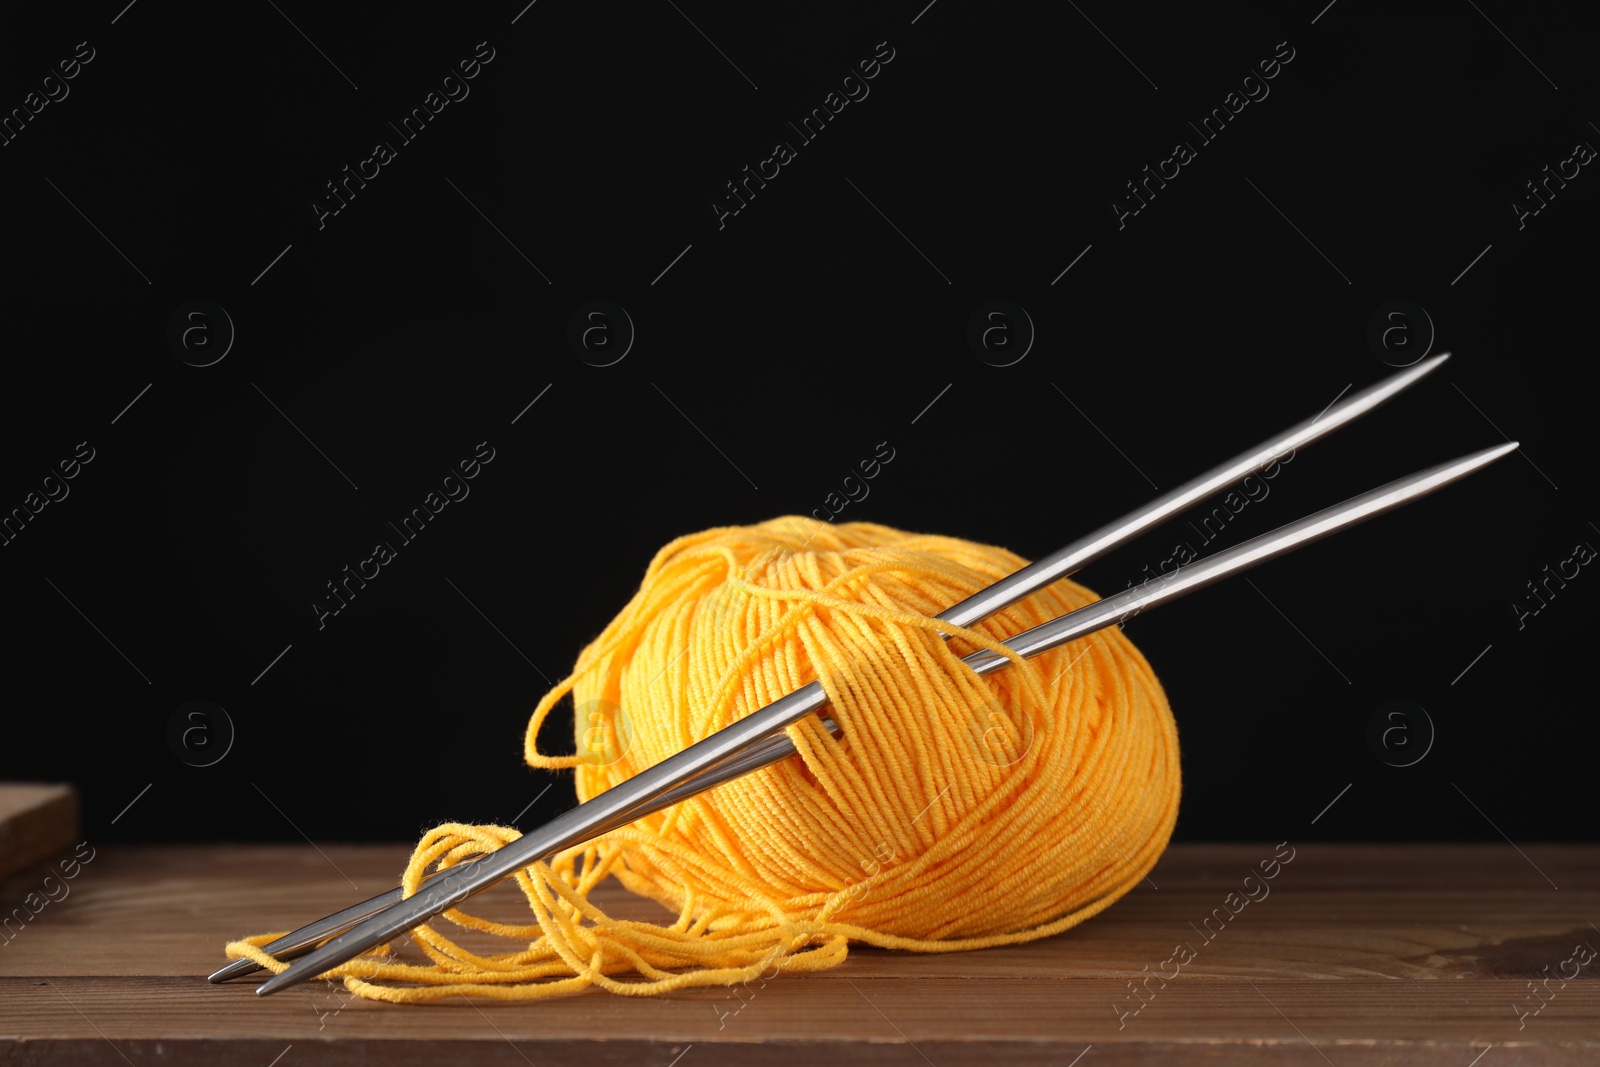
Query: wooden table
point(1358, 955)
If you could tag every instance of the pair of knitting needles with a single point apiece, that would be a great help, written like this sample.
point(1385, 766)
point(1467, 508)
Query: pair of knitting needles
point(757, 740)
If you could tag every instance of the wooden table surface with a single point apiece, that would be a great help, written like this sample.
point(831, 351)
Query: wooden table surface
point(1358, 955)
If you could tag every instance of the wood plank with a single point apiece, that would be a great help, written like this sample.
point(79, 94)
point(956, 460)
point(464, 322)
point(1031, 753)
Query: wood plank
point(1360, 954)
point(38, 821)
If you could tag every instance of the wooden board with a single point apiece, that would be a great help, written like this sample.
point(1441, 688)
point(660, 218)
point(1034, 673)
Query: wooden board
point(37, 822)
point(1357, 955)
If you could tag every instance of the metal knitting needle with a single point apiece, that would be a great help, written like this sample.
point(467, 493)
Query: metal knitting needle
point(1016, 586)
point(646, 792)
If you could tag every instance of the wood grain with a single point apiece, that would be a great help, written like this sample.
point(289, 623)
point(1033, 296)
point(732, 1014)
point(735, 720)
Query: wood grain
point(1357, 955)
point(37, 821)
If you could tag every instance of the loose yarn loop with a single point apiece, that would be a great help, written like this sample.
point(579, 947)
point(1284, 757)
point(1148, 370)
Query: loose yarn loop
point(952, 812)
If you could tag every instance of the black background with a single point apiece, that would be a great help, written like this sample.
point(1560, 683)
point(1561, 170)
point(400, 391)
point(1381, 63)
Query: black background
point(822, 319)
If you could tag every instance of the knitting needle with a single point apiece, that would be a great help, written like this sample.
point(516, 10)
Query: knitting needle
point(1010, 589)
point(644, 793)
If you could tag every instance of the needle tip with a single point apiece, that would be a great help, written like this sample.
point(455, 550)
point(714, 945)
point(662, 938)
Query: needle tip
point(1376, 394)
point(1481, 459)
point(1429, 365)
point(232, 970)
point(272, 985)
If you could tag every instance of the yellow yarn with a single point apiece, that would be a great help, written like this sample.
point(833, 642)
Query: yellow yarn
point(953, 812)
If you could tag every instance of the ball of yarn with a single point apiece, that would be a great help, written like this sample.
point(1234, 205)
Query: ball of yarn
point(950, 812)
